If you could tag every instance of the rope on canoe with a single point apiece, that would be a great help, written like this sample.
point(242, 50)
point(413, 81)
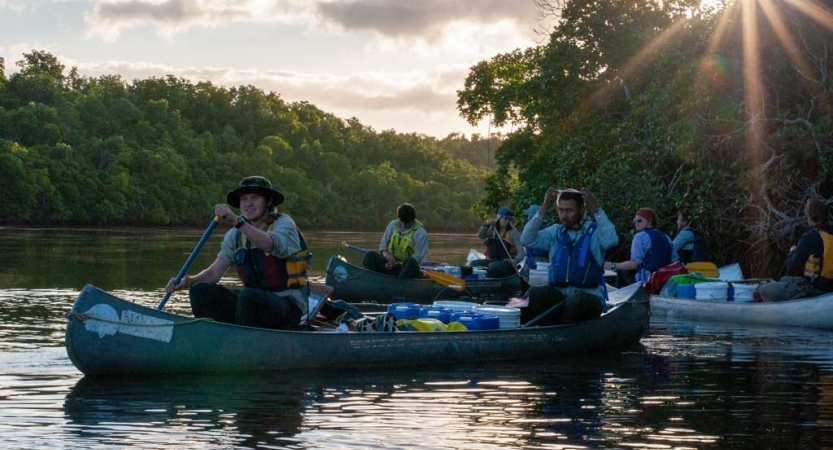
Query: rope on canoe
point(82, 317)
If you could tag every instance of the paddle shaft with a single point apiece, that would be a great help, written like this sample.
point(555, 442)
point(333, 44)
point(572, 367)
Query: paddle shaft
point(190, 259)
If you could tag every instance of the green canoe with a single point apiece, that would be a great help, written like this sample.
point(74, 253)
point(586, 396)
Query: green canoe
point(356, 284)
point(107, 335)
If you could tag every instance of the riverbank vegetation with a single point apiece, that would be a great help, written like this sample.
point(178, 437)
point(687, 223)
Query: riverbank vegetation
point(163, 151)
point(723, 107)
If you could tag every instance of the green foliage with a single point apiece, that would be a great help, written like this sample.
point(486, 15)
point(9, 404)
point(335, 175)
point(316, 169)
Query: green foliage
point(641, 103)
point(164, 151)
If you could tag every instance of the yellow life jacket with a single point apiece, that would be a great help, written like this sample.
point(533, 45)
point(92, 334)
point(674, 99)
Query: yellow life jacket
point(816, 267)
point(258, 270)
point(401, 244)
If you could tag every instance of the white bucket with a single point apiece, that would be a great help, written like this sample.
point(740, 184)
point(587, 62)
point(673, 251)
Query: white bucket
point(743, 291)
point(542, 266)
point(508, 317)
point(537, 277)
point(454, 305)
point(717, 290)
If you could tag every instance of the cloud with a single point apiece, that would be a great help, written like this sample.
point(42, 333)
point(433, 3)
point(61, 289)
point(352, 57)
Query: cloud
point(423, 102)
point(108, 18)
point(12, 6)
point(398, 18)
point(424, 19)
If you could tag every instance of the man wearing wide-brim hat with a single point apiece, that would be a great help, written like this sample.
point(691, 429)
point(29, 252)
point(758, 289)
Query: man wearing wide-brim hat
point(271, 258)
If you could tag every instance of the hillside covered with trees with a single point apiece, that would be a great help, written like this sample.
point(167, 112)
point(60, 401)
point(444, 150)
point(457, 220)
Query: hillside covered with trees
point(163, 151)
point(725, 109)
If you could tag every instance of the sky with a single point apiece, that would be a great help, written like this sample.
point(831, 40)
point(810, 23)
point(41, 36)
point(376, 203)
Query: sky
point(393, 64)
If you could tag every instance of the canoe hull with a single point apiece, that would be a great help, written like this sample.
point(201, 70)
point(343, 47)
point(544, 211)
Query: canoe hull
point(107, 335)
point(355, 284)
point(816, 312)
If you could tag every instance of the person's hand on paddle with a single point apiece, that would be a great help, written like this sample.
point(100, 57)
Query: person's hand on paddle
point(391, 262)
point(225, 212)
point(184, 283)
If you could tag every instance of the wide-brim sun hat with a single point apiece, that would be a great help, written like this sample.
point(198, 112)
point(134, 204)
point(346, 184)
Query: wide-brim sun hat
point(254, 185)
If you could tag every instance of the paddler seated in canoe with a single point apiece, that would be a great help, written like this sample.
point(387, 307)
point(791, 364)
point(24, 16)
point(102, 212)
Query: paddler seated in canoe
point(576, 246)
point(503, 244)
point(809, 265)
point(271, 258)
point(650, 248)
point(690, 243)
point(403, 246)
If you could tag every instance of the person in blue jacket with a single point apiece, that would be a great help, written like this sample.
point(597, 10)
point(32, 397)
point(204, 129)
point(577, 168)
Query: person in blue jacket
point(650, 249)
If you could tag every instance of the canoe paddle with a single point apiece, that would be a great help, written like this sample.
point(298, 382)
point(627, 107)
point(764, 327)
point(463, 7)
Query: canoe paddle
point(188, 262)
point(450, 281)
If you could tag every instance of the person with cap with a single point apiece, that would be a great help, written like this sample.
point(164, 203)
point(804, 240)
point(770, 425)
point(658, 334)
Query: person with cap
point(271, 258)
point(402, 247)
point(650, 248)
point(576, 246)
point(503, 244)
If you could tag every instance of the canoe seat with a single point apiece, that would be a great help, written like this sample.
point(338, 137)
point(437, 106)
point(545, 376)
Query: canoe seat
point(705, 268)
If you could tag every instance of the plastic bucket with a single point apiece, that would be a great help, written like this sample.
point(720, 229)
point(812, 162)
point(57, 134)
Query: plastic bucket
point(542, 266)
point(686, 291)
point(508, 317)
point(711, 291)
point(404, 310)
point(454, 305)
point(474, 321)
point(432, 312)
point(743, 291)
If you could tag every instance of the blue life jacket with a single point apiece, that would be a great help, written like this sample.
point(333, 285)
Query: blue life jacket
point(574, 264)
point(659, 255)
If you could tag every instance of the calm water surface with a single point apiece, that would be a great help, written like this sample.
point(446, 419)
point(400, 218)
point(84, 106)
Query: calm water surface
point(689, 386)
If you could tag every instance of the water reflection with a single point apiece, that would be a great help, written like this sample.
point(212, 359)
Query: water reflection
point(503, 406)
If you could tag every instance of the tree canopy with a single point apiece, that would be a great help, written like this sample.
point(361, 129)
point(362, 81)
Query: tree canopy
point(163, 151)
point(666, 103)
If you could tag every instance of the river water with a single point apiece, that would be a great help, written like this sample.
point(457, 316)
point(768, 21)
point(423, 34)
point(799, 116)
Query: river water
point(689, 386)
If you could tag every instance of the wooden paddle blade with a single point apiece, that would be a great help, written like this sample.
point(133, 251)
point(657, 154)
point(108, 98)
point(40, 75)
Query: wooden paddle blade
point(458, 284)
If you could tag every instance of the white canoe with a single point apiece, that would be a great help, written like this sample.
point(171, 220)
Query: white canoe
point(814, 312)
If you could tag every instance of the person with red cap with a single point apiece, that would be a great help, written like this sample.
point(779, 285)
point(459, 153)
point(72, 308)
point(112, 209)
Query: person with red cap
point(650, 248)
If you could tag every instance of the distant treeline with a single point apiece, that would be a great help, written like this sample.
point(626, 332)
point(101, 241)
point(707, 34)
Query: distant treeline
point(163, 151)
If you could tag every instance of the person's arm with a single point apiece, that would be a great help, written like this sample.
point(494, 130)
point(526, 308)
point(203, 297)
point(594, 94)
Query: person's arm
point(606, 231)
point(675, 257)
point(519, 248)
point(257, 236)
point(383, 242)
point(420, 244)
point(486, 230)
point(798, 257)
point(683, 238)
point(284, 238)
point(639, 247)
